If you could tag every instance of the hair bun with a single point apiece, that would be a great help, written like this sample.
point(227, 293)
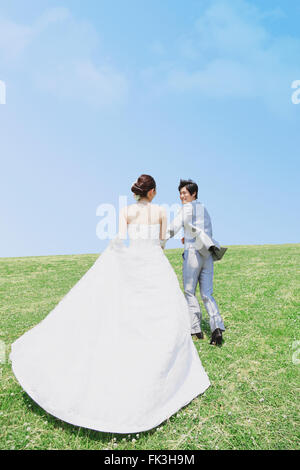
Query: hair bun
point(136, 189)
point(143, 185)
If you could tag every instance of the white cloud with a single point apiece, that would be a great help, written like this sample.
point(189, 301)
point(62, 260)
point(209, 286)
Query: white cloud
point(61, 59)
point(52, 15)
point(14, 39)
point(220, 78)
point(84, 82)
point(230, 53)
point(229, 29)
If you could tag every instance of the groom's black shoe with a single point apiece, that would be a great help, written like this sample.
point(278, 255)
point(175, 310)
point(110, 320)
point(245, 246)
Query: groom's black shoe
point(199, 335)
point(216, 337)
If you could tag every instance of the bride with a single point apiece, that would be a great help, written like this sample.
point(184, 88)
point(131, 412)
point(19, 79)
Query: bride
point(116, 353)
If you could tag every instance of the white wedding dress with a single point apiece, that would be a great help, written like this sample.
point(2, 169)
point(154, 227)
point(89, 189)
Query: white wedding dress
point(116, 353)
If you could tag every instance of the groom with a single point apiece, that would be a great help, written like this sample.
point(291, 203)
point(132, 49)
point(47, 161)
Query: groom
point(197, 259)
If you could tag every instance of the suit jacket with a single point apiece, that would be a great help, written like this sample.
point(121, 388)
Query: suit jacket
point(194, 218)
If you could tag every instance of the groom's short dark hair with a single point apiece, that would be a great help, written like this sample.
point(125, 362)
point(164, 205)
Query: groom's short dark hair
point(190, 185)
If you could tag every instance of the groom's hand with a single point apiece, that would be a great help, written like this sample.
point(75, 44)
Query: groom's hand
point(182, 240)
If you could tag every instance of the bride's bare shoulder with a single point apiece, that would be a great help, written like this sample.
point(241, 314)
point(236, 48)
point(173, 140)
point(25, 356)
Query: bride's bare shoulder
point(131, 209)
point(160, 211)
point(132, 206)
point(156, 207)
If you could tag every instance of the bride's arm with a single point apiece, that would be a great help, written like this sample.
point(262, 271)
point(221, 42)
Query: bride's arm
point(163, 226)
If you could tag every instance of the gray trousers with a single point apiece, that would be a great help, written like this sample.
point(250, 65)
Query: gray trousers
point(197, 268)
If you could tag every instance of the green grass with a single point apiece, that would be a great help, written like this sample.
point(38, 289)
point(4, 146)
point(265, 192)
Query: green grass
point(253, 400)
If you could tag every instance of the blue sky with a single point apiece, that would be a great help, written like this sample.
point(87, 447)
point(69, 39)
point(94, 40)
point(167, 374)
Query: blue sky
point(99, 92)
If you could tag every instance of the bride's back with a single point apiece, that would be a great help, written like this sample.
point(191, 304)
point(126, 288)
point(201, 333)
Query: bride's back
point(142, 214)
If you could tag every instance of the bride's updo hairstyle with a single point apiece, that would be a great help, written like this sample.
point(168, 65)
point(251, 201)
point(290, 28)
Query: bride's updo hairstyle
point(142, 185)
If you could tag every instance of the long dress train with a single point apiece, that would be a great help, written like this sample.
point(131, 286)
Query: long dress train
point(116, 353)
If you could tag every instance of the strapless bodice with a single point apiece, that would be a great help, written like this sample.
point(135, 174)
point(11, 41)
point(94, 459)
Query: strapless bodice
point(144, 234)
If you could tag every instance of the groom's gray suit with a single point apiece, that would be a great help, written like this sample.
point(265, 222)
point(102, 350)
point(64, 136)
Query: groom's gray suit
point(198, 263)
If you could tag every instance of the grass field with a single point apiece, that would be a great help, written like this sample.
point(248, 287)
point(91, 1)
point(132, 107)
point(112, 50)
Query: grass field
point(253, 402)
